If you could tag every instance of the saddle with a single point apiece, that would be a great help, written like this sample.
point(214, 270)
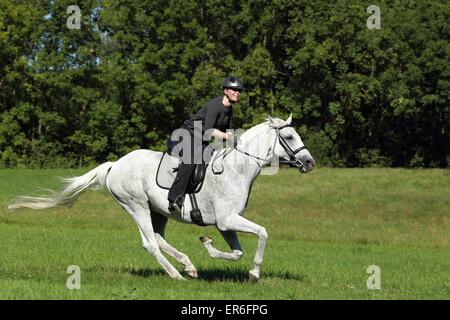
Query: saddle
point(167, 171)
point(166, 175)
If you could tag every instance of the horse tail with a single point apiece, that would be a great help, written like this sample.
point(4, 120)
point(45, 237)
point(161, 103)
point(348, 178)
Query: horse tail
point(94, 179)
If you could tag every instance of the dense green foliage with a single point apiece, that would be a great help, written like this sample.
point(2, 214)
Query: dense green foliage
point(136, 69)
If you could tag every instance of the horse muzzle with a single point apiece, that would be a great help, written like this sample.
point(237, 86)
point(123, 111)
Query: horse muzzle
point(305, 163)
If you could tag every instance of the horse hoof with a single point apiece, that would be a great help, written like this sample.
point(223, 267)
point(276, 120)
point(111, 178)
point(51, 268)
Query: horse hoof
point(206, 240)
point(254, 277)
point(181, 278)
point(192, 273)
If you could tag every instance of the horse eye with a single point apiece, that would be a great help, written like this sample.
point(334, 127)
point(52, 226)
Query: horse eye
point(289, 137)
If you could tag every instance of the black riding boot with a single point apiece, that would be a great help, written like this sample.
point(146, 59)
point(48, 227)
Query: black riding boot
point(179, 186)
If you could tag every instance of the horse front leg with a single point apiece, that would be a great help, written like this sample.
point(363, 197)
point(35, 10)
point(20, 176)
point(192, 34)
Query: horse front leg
point(232, 240)
point(239, 223)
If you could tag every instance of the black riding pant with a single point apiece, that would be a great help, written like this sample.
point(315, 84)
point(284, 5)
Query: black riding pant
point(185, 170)
point(178, 189)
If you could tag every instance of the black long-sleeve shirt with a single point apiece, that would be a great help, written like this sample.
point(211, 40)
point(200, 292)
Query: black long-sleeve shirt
point(214, 115)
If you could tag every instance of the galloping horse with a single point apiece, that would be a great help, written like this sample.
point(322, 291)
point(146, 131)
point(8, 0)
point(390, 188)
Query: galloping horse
point(131, 181)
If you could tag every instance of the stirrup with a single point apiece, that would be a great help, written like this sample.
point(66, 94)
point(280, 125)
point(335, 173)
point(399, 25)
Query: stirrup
point(174, 207)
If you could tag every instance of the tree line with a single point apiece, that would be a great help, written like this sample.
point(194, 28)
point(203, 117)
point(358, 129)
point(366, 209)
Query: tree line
point(135, 69)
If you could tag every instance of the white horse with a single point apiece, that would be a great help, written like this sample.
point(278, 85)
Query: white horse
point(131, 181)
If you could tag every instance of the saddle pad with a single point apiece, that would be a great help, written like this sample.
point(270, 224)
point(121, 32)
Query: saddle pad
point(165, 175)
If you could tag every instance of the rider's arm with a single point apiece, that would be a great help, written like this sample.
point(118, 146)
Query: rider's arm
point(212, 114)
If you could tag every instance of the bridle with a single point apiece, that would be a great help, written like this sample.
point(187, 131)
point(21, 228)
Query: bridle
point(292, 162)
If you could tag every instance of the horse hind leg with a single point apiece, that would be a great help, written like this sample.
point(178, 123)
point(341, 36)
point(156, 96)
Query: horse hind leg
point(159, 224)
point(179, 256)
point(232, 240)
point(141, 215)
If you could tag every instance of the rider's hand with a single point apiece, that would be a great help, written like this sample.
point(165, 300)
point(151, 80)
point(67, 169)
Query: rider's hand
point(228, 135)
point(231, 137)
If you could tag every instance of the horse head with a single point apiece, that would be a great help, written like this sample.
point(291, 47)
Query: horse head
point(290, 148)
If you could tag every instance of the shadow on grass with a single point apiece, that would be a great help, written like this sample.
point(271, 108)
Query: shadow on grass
point(241, 275)
point(145, 273)
point(214, 275)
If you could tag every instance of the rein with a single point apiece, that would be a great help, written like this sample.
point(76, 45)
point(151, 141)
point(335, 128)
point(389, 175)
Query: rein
point(293, 161)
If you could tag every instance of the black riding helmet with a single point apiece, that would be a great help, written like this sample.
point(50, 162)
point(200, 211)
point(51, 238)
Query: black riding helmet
point(233, 83)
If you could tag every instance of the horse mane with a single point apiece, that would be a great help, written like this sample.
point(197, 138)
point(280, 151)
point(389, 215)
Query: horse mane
point(271, 122)
point(275, 122)
point(252, 132)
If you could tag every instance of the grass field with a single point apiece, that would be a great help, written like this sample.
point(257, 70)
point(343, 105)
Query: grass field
point(325, 229)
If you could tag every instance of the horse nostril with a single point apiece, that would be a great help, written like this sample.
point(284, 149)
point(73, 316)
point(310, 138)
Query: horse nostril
point(309, 163)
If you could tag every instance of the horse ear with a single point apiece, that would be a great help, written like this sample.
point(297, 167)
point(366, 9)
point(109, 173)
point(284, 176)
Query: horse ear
point(289, 120)
point(270, 119)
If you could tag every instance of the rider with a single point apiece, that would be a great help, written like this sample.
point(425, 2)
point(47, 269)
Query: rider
point(215, 118)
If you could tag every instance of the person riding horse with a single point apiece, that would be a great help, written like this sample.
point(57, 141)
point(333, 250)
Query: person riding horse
point(215, 117)
point(131, 182)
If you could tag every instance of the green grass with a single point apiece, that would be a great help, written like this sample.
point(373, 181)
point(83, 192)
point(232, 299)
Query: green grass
point(325, 228)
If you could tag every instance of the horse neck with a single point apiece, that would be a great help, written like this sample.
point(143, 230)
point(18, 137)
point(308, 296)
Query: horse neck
point(258, 142)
